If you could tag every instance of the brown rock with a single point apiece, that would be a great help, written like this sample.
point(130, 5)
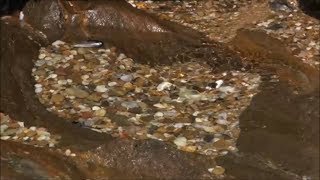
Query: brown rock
point(61, 71)
point(94, 97)
point(221, 144)
point(86, 114)
point(57, 98)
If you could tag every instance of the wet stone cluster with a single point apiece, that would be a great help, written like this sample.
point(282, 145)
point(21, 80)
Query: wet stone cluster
point(281, 19)
point(299, 31)
point(15, 131)
point(184, 104)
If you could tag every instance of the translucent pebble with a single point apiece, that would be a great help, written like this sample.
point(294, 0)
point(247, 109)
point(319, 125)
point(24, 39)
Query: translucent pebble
point(101, 88)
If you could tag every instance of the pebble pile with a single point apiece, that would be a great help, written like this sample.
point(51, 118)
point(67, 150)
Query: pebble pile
point(298, 31)
point(15, 131)
point(185, 104)
point(281, 19)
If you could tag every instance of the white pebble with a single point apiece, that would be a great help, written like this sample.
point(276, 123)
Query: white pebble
point(85, 77)
point(68, 152)
point(38, 85)
point(180, 141)
point(53, 76)
point(112, 84)
point(164, 85)
point(38, 90)
point(5, 137)
point(101, 88)
point(41, 56)
point(21, 124)
point(33, 128)
point(58, 43)
point(62, 82)
point(219, 83)
point(95, 108)
point(158, 114)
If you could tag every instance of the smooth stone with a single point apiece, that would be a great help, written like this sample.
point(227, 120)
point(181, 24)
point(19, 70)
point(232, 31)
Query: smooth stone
point(68, 152)
point(82, 51)
point(100, 112)
point(163, 86)
point(219, 83)
point(180, 141)
point(101, 88)
point(158, 114)
point(77, 92)
point(218, 170)
point(117, 92)
point(38, 90)
point(94, 97)
point(127, 78)
point(128, 86)
point(42, 56)
point(5, 137)
point(58, 43)
point(130, 104)
point(57, 98)
point(95, 108)
point(111, 84)
point(189, 148)
point(226, 89)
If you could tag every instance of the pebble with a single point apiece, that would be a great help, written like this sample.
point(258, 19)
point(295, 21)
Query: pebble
point(127, 78)
point(164, 85)
point(111, 84)
point(67, 152)
point(219, 83)
point(180, 141)
point(57, 98)
point(58, 43)
point(101, 88)
point(218, 170)
point(41, 56)
point(100, 112)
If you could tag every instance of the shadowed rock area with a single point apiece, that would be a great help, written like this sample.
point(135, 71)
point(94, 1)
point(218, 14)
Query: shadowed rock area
point(280, 130)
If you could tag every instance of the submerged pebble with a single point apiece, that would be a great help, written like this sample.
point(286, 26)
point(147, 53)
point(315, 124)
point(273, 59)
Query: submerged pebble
point(185, 104)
